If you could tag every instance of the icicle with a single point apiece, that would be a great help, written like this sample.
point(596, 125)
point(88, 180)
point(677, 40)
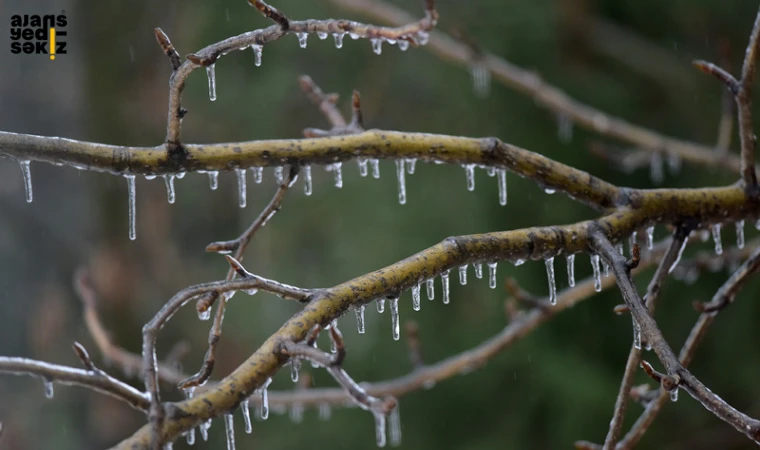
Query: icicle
point(757, 224)
point(204, 315)
point(375, 168)
point(636, 334)
point(552, 283)
point(27, 175)
point(403, 45)
point(324, 411)
point(501, 176)
point(295, 367)
point(430, 283)
point(740, 234)
point(481, 79)
point(597, 273)
point(678, 257)
point(379, 428)
point(302, 37)
point(169, 446)
point(564, 128)
point(377, 45)
point(632, 242)
point(570, 260)
point(478, 270)
point(213, 179)
point(321, 35)
point(716, 239)
point(416, 297)
point(655, 168)
point(258, 174)
point(395, 427)
point(469, 170)
point(400, 175)
point(229, 430)
point(211, 74)
point(395, 318)
point(410, 164)
point(49, 390)
point(674, 395)
point(257, 50)
point(307, 180)
point(265, 399)
point(169, 181)
point(338, 39)
point(241, 187)
point(278, 175)
point(674, 163)
point(296, 413)
point(132, 206)
point(463, 274)
point(492, 275)
point(203, 428)
point(380, 303)
point(190, 436)
point(246, 416)
point(605, 268)
point(362, 166)
point(359, 318)
point(619, 248)
point(650, 237)
point(445, 286)
point(338, 173)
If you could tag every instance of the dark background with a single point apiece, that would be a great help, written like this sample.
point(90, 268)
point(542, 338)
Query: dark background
point(629, 58)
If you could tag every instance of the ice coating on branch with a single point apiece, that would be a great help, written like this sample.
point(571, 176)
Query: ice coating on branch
point(307, 180)
point(26, 173)
point(379, 428)
point(403, 45)
point(362, 166)
point(597, 273)
point(302, 39)
point(338, 39)
point(380, 303)
point(257, 50)
point(229, 431)
point(570, 260)
point(395, 427)
point(377, 45)
point(445, 286)
point(211, 74)
point(469, 171)
point(463, 274)
point(552, 282)
point(359, 318)
point(650, 237)
point(636, 334)
point(265, 399)
point(401, 175)
point(395, 318)
point(411, 163)
point(740, 234)
point(501, 177)
point(295, 367)
point(337, 173)
point(716, 238)
point(492, 275)
point(241, 187)
point(170, 194)
point(416, 297)
point(430, 283)
point(246, 416)
point(132, 206)
point(213, 179)
point(680, 253)
point(375, 168)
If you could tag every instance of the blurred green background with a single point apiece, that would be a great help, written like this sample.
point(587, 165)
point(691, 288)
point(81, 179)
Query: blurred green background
point(629, 58)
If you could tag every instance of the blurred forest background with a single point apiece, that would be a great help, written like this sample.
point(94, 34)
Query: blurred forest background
point(629, 58)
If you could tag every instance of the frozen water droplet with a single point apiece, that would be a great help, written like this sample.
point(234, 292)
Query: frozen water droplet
point(296, 412)
point(295, 367)
point(150, 177)
point(257, 50)
point(501, 177)
point(519, 262)
point(379, 428)
point(132, 205)
point(203, 428)
point(410, 164)
point(362, 166)
point(423, 37)
point(241, 187)
point(391, 41)
point(377, 46)
point(278, 176)
point(265, 399)
point(478, 270)
point(656, 172)
point(307, 180)
point(481, 79)
point(492, 275)
point(246, 416)
point(552, 282)
point(169, 181)
point(416, 297)
point(570, 260)
point(213, 180)
point(678, 257)
point(445, 286)
point(324, 411)
point(302, 38)
point(211, 74)
point(740, 234)
point(337, 170)
point(258, 174)
point(463, 274)
point(716, 238)
point(403, 45)
point(401, 175)
point(204, 315)
point(229, 431)
point(674, 395)
point(469, 170)
point(321, 35)
point(636, 334)
point(354, 36)
point(338, 39)
point(49, 390)
point(359, 310)
point(375, 168)
point(650, 237)
point(27, 175)
point(550, 191)
point(490, 171)
point(380, 303)
point(564, 128)
point(180, 175)
point(395, 318)
point(395, 427)
point(190, 436)
point(430, 284)
point(597, 273)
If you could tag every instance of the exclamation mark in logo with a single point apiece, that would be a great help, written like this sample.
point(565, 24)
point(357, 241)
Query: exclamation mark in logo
point(52, 43)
